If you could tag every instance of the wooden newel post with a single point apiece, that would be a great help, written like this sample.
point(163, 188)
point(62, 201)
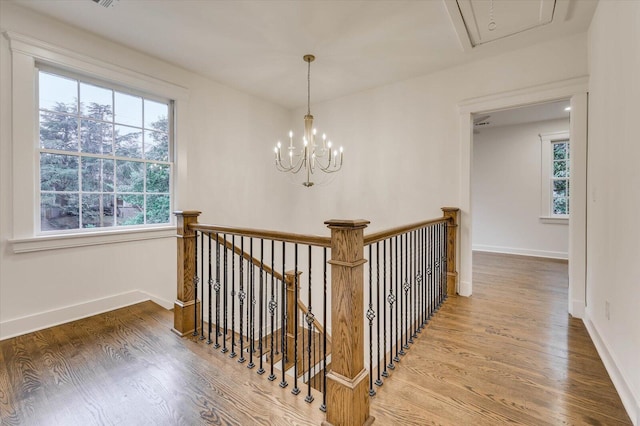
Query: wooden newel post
point(183, 315)
point(347, 391)
point(292, 313)
point(451, 214)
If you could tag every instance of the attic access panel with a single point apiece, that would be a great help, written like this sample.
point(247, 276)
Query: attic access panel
point(486, 20)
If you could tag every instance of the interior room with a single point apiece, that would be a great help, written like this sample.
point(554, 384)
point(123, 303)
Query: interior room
point(137, 138)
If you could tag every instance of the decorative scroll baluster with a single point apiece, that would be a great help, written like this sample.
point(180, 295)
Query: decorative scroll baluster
point(378, 380)
point(371, 316)
point(252, 305)
point(216, 287)
point(226, 300)
point(210, 282)
point(241, 297)
point(272, 309)
point(399, 298)
point(295, 389)
point(392, 299)
point(202, 287)
point(411, 281)
point(261, 313)
point(309, 317)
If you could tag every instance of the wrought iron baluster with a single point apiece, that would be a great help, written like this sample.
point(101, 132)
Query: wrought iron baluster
point(378, 359)
point(391, 299)
point(272, 310)
point(399, 298)
point(309, 319)
point(210, 282)
point(233, 297)
point(405, 292)
point(371, 316)
point(412, 282)
point(295, 389)
point(283, 318)
point(414, 291)
point(195, 288)
point(252, 304)
point(217, 289)
point(224, 294)
point(261, 313)
point(202, 286)
point(385, 373)
point(241, 296)
point(323, 406)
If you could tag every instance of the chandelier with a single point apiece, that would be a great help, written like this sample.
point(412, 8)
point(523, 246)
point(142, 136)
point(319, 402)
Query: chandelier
point(314, 155)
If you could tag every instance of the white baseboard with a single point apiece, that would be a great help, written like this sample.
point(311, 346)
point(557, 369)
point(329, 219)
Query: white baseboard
point(464, 288)
point(39, 321)
point(521, 251)
point(630, 401)
point(577, 308)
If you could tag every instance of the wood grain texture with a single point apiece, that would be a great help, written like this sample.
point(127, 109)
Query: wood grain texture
point(125, 367)
point(509, 354)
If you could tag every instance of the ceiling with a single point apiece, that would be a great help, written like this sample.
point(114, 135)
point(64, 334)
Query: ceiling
point(257, 45)
point(526, 114)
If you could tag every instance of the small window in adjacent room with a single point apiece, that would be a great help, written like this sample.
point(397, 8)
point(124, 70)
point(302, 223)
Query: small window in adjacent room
point(555, 175)
point(105, 155)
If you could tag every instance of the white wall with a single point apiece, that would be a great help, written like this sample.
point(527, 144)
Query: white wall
point(613, 230)
point(506, 192)
point(402, 141)
point(223, 129)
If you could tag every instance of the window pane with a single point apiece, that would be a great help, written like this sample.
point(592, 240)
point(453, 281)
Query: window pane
point(128, 109)
point(560, 169)
point(58, 131)
point(58, 172)
point(58, 211)
point(158, 209)
point(97, 210)
point(560, 151)
point(57, 93)
point(128, 141)
point(96, 137)
point(157, 177)
point(560, 205)
point(130, 209)
point(560, 188)
point(91, 174)
point(155, 115)
point(156, 146)
point(96, 102)
point(130, 176)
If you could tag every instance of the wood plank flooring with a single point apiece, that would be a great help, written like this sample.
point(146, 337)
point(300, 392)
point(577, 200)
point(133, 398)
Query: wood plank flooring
point(508, 355)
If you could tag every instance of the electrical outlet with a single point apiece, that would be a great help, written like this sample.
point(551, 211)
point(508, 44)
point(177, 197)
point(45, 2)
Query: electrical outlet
point(607, 310)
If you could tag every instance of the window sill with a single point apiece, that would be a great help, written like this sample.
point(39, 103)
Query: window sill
point(54, 242)
point(554, 220)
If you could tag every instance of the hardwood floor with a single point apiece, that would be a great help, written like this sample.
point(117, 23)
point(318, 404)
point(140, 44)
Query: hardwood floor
point(508, 354)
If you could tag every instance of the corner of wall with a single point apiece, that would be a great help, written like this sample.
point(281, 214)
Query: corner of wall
point(629, 399)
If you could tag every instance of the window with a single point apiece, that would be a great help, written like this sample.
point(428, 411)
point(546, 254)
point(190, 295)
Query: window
point(555, 175)
point(560, 178)
point(104, 155)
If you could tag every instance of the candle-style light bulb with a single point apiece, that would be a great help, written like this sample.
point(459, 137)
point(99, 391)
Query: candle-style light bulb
point(290, 138)
point(341, 154)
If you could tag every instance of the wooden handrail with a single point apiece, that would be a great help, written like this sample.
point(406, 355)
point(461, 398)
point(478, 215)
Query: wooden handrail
point(312, 240)
point(383, 235)
point(229, 245)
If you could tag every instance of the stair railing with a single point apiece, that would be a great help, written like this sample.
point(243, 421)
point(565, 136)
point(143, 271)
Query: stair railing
point(286, 319)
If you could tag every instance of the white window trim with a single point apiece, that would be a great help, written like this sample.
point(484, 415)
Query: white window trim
point(546, 213)
point(26, 52)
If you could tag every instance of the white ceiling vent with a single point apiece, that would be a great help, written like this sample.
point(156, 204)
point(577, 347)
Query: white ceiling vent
point(479, 22)
point(105, 3)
